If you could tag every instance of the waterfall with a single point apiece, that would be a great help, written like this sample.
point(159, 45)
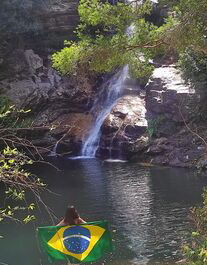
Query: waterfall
point(106, 102)
point(107, 99)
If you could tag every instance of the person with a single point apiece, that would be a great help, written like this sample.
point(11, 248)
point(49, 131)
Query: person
point(71, 217)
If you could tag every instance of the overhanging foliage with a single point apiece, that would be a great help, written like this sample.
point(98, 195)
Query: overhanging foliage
point(104, 42)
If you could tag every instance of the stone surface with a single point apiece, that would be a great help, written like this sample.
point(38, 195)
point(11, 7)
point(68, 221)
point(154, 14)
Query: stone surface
point(144, 125)
point(72, 125)
point(60, 15)
point(33, 60)
point(55, 101)
point(169, 101)
point(69, 130)
point(42, 26)
point(42, 86)
point(124, 129)
point(167, 93)
point(170, 106)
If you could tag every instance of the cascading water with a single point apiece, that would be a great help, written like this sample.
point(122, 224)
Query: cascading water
point(107, 100)
point(110, 94)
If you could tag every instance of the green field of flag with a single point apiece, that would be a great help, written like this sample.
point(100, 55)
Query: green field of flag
point(87, 242)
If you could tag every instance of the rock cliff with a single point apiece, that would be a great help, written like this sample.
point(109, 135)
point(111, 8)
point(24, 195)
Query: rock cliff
point(171, 106)
point(147, 124)
point(34, 24)
point(60, 103)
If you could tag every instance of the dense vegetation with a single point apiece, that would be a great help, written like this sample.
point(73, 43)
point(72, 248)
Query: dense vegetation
point(112, 36)
point(196, 252)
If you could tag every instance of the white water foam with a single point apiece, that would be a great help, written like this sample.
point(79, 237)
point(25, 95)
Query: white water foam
point(80, 157)
point(107, 100)
point(115, 161)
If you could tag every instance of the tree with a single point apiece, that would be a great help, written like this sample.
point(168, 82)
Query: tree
point(186, 26)
point(104, 42)
point(106, 39)
point(17, 180)
point(194, 67)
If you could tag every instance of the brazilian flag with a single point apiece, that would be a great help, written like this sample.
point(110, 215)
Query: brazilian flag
point(76, 243)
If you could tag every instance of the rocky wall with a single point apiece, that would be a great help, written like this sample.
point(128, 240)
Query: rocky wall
point(34, 24)
point(148, 125)
point(58, 103)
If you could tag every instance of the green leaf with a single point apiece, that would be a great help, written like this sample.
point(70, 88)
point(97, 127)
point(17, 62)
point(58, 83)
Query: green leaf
point(29, 218)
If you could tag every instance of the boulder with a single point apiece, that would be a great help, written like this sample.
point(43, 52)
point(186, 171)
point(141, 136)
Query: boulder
point(36, 86)
point(124, 129)
point(19, 91)
point(33, 60)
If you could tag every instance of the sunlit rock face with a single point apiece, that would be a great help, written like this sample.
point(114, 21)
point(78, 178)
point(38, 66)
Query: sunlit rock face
point(39, 87)
point(170, 105)
point(169, 101)
point(124, 130)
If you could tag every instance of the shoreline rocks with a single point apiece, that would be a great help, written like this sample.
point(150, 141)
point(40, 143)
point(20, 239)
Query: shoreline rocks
point(146, 125)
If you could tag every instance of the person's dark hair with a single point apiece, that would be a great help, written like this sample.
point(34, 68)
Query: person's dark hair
point(70, 215)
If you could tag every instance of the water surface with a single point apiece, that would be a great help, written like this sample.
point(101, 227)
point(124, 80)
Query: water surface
point(147, 209)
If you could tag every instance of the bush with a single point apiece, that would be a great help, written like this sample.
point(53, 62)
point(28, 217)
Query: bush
point(194, 68)
point(196, 251)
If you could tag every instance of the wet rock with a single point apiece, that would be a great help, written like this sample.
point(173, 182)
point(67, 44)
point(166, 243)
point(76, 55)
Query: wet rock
point(119, 114)
point(64, 135)
point(124, 128)
point(72, 125)
point(111, 125)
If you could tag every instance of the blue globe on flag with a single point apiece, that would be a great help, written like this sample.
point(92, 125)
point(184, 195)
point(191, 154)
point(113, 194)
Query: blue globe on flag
point(76, 239)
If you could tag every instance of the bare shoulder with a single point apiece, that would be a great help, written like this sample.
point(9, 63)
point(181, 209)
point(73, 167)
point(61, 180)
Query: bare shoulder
point(80, 221)
point(61, 223)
